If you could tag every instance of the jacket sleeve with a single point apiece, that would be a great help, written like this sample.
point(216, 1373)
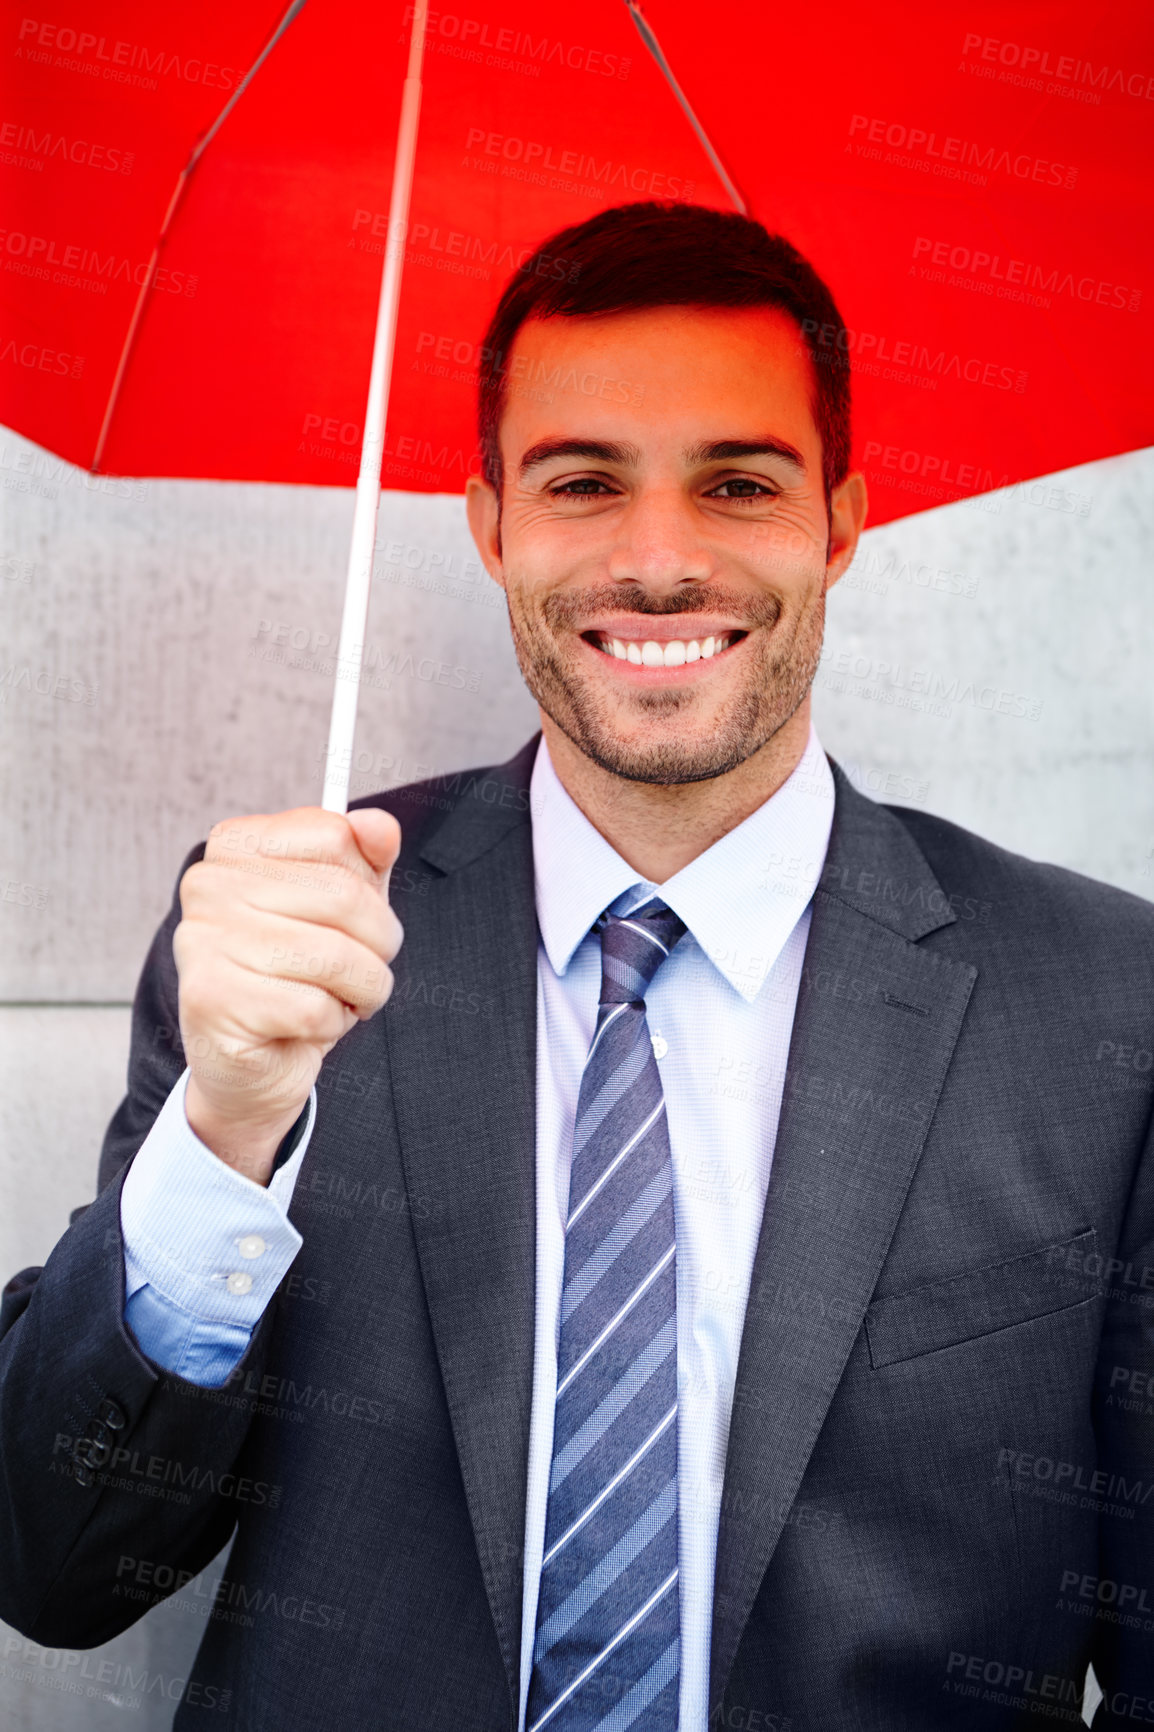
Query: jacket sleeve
point(1123, 1647)
point(103, 1455)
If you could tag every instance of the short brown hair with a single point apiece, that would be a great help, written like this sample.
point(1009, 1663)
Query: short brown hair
point(667, 255)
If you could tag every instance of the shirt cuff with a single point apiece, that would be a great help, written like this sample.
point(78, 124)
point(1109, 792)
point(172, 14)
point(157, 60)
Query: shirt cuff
point(204, 1353)
point(209, 1241)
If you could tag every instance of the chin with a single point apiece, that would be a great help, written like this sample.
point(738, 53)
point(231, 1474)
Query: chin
point(664, 762)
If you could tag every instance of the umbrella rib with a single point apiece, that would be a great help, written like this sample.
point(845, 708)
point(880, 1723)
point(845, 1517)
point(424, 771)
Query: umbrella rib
point(182, 179)
point(645, 31)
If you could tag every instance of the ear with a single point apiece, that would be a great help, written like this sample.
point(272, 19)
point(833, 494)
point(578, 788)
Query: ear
point(847, 514)
point(484, 513)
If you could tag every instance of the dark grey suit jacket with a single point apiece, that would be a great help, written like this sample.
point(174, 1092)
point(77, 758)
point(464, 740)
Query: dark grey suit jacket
point(939, 1489)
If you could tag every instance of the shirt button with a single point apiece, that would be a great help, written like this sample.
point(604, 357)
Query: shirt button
point(252, 1245)
point(239, 1283)
point(660, 1045)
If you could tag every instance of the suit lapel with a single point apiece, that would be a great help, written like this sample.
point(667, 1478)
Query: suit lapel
point(461, 1032)
point(876, 1017)
point(876, 1023)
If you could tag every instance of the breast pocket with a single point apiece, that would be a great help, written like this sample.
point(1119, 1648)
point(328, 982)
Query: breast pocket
point(965, 1307)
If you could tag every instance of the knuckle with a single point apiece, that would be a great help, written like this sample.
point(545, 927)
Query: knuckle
point(331, 834)
point(314, 1014)
point(196, 1007)
point(347, 894)
point(208, 885)
point(192, 884)
point(233, 834)
point(394, 844)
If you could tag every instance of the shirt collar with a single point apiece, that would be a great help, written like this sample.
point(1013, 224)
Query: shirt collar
point(740, 899)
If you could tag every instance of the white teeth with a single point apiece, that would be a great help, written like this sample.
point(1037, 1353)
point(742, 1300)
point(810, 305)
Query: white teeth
point(673, 654)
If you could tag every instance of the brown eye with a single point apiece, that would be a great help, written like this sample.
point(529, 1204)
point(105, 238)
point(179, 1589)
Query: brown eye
point(743, 488)
point(584, 487)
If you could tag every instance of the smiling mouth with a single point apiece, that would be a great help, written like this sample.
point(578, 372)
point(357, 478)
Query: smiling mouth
point(672, 654)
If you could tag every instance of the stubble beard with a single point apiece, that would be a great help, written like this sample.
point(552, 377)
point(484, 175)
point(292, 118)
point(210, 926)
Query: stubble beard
point(780, 670)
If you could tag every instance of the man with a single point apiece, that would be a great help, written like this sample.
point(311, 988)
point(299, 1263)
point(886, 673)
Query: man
point(717, 1287)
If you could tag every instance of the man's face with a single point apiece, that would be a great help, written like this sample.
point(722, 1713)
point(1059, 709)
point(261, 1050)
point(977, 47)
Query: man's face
point(664, 542)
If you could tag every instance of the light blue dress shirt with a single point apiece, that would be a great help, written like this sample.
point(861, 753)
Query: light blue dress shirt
point(206, 1248)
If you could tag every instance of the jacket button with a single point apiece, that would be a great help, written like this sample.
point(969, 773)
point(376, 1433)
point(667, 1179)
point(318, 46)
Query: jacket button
point(83, 1475)
point(112, 1415)
point(92, 1452)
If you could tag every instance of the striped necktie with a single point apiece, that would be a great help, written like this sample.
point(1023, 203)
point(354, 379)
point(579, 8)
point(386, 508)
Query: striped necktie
point(606, 1654)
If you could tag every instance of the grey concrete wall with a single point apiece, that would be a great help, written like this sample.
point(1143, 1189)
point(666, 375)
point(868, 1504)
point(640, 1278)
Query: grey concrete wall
point(165, 661)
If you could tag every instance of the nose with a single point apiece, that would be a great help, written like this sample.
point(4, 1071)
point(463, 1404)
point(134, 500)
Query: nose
point(659, 544)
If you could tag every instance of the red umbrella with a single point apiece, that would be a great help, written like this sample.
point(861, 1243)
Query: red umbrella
point(199, 209)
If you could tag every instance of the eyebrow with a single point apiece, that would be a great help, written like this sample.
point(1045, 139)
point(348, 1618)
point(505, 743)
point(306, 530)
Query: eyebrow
point(595, 450)
point(607, 451)
point(719, 450)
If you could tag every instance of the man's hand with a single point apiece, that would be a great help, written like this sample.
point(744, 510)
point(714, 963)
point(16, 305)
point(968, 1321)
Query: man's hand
point(284, 946)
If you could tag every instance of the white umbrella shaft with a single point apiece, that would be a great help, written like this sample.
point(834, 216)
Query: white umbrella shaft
point(354, 619)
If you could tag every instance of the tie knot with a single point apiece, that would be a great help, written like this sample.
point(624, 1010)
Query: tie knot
point(633, 947)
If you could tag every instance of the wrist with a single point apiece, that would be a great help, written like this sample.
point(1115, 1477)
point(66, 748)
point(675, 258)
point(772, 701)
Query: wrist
point(248, 1146)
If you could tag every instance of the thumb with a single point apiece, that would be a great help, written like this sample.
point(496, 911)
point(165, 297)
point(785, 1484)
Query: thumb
point(378, 836)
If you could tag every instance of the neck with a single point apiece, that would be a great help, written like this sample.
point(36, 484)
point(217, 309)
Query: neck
point(659, 829)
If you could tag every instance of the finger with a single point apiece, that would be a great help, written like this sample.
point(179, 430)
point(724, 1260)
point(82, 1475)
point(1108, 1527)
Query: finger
point(261, 1009)
point(378, 837)
point(298, 892)
point(306, 834)
point(299, 953)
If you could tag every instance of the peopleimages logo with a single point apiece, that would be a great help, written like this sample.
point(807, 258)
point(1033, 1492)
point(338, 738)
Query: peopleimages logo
point(530, 159)
point(1016, 279)
point(940, 153)
point(484, 42)
point(1040, 63)
point(63, 46)
point(74, 266)
point(457, 249)
point(871, 346)
point(32, 149)
point(930, 465)
point(41, 360)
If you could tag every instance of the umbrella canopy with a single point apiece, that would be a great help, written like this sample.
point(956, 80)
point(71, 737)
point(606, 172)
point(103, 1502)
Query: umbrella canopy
point(976, 191)
point(198, 276)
